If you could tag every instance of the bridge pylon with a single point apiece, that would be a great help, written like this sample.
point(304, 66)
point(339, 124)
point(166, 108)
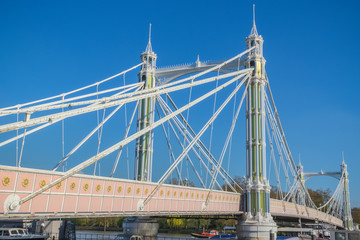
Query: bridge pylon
point(347, 217)
point(144, 226)
point(257, 222)
point(144, 144)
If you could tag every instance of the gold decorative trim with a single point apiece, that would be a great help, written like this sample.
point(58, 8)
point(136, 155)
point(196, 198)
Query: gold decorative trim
point(161, 192)
point(146, 191)
point(72, 186)
point(175, 194)
point(109, 188)
point(58, 186)
point(98, 187)
point(6, 181)
point(86, 187)
point(137, 190)
point(129, 190)
point(119, 189)
point(25, 182)
point(42, 183)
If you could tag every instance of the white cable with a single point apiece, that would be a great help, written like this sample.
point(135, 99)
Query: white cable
point(114, 101)
point(286, 144)
point(217, 170)
point(120, 150)
point(87, 137)
point(74, 91)
point(182, 155)
point(129, 139)
point(202, 148)
point(189, 138)
point(48, 123)
point(171, 153)
point(166, 110)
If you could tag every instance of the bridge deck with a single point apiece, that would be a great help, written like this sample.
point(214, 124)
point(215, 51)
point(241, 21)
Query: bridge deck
point(93, 196)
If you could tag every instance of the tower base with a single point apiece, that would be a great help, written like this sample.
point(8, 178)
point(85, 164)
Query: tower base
point(144, 228)
point(256, 228)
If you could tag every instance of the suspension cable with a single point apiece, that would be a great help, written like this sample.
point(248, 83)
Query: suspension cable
point(286, 144)
point(201, 146)
point(182, 155)
point(165, 109)
point(217, 170)
point(181, 128)
point(74, 91)
point(123, 142)
point(52, 121)
point(127, 146)
point(121, 148)
point(87, 137)
point(171, 153)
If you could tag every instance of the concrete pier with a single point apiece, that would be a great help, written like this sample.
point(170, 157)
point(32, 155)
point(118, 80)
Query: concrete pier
point(144, 227)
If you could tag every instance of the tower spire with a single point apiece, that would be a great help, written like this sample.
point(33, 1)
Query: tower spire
point(149, 47)
point(253, 29)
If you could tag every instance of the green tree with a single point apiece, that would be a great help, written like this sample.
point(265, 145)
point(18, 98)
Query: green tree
point(175, 223)
point(319, 196)
point(355, 212)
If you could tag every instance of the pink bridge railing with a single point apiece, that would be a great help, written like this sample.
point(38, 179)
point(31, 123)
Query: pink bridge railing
point(91, 195)
point(85, 195)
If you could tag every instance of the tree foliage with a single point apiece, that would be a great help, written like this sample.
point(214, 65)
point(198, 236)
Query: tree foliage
point(355, 212)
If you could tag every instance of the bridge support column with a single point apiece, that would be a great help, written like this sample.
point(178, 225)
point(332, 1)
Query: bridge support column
point(144, 144)
point(257, 222)
point(143, 227)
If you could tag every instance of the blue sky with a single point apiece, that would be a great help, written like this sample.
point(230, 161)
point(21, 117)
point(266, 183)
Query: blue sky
point(311, 48)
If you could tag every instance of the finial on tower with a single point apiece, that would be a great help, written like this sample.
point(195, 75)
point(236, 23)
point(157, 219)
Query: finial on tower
point(148, 47)
point(198, 63)
point(253, 29)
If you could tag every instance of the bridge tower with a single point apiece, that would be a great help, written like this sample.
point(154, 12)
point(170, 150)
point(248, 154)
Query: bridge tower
point(347, 218)
point(300, 194)
point(257, 222)
point(144, 144)
point(144, 226)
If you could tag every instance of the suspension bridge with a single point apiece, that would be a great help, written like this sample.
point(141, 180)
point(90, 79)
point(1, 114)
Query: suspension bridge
point(161, 102)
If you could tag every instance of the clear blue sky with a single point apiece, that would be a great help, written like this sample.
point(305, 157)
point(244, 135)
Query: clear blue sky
point(311, 48)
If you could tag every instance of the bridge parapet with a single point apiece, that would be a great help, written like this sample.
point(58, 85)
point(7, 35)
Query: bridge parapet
point(85, 195)
point(288, 209)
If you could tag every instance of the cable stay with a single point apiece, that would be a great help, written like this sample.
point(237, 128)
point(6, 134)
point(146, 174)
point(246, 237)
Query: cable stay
point(172, 157)
point(129, 139)
point(202, 148)
point(87, 137)
point(229, 135)
point(121, 148)
point(178, 124)
point(183, 147)
point(68, 93)
point(286, 144)
point(191, 144)
point(114, 101)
